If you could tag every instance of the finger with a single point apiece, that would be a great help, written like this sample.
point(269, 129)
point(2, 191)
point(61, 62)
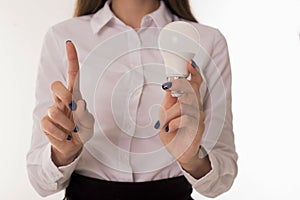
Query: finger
point(191, 99)
point(168, 100)
point(183, 121)
point(57, 144)
point(167, 103)
point(59, 104)
point(49, 128)
point(73, 66)
point(187, 122)
point(177, 110)
point(76, 138)
point(81, 115)
point(195, 73)
point(60, 118)
point(190, 93)
point(84, 121)
point(179, 85)
point(62, 93)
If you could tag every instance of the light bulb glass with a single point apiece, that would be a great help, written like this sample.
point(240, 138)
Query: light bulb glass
point(178, 42)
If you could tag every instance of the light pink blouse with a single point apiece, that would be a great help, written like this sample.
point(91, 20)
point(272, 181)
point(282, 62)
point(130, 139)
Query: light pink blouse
point(127, 70)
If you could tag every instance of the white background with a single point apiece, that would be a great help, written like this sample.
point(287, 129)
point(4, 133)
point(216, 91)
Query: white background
point(264, 45)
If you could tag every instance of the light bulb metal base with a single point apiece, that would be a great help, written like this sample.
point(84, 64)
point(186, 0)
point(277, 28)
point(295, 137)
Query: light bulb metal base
point(177, 93)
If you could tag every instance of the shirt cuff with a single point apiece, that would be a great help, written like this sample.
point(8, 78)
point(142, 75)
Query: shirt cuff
point(69, 169)
point(52, 173)
point(205, 180)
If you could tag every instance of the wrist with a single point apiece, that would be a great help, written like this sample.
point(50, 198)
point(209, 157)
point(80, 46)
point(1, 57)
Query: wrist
point(197, 167)
point(61, 159)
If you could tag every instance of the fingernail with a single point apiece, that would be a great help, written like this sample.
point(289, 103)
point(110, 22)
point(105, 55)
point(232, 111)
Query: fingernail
point(69, 137)
point(157, 125)
point(194, 64)
point(166, 85)
point(76, 129)
point(68, 41)
point(167, 128)
point(72, 105)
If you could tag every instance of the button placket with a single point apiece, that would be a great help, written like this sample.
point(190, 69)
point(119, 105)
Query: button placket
point(138, 78)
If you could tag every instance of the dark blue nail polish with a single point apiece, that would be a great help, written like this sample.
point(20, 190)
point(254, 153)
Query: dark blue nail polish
point(166, 85)
point(157, 125)
point(68, 41)
point(76, 129)
point(72, 105)
point(69, 137)
point(194, 64)
point(167, 128)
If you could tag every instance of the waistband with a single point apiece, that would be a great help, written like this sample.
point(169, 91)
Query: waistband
point(87, 188)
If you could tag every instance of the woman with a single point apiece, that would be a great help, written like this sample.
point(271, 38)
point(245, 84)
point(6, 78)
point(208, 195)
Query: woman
point(124, 159)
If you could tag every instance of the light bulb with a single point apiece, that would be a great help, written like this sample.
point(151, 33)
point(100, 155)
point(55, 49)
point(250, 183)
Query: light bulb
point(178, 42)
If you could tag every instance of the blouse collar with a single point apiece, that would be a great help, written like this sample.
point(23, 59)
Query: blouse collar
point(161, 17)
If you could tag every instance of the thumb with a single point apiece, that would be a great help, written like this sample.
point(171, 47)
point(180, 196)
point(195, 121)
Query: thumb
point(84, 121)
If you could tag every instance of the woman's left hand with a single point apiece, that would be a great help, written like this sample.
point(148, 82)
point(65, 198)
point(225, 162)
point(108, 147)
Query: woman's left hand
point(181, 120)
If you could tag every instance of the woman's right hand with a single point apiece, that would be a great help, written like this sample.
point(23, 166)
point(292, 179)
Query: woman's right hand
point(67, 124)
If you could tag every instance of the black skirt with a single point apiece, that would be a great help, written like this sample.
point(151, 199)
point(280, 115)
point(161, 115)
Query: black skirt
point(86, 188)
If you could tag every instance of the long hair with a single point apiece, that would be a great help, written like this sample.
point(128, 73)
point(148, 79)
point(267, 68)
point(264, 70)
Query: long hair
point(181, 8)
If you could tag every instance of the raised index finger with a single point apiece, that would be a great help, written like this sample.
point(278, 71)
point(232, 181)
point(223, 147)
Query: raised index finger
point(73, 66)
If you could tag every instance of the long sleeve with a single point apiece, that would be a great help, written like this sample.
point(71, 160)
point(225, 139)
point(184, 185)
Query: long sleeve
point(91, 32)
point(218, 139)
point(45, 177)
